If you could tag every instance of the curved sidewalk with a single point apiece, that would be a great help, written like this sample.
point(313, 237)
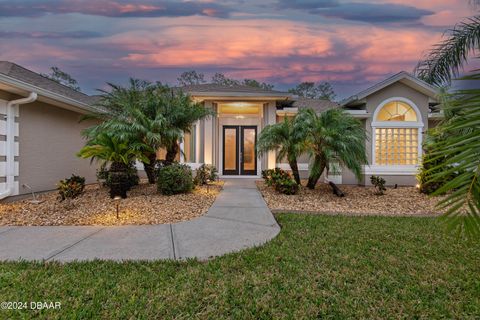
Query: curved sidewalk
point(238, 219)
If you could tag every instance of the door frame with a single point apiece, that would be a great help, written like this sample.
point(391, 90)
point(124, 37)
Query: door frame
point(239, 147)
point(235, 172)
point(242, 147)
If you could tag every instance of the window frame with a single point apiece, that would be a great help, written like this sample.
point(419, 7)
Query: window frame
point(396, 168)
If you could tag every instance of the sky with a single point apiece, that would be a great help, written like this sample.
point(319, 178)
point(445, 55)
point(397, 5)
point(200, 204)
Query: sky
point(352, 43)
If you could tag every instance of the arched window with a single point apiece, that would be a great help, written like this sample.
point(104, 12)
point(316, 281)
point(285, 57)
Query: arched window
point(397, 136)
point(397, 111)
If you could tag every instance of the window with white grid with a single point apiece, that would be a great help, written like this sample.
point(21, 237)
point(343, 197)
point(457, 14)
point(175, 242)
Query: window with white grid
point(396, 146)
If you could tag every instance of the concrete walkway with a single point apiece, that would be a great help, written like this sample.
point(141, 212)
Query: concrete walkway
point(238, 219)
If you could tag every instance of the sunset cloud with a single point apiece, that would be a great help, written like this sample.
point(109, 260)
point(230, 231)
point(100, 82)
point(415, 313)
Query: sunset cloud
point(113, 8)
point(352, 44)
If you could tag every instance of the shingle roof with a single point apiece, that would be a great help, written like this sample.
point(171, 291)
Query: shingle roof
point(315, 104)
point(217, 88)
point(20, 73)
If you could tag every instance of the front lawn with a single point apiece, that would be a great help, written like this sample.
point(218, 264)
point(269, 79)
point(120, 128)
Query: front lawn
point(318, 266)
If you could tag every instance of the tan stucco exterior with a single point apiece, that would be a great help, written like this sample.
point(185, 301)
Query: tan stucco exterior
point(49, 139)
point(372, 102)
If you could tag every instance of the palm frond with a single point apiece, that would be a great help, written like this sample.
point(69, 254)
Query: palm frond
point(459, 147)
point(447, 58)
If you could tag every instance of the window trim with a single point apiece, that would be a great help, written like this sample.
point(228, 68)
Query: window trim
point(374, 167)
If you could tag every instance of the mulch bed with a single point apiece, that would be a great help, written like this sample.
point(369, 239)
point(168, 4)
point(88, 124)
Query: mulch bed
point(94, 207)
point(358, 200)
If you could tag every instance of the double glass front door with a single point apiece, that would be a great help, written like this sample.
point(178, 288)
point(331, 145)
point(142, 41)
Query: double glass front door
point(239, 150)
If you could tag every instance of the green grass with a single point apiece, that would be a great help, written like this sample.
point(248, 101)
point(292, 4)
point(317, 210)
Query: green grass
point(318, 266)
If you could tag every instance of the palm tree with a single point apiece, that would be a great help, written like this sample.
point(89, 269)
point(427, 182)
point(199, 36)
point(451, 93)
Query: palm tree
point(285, 140)
point(332, 137)
point(109, 149)
point(132, 114)
point(449, 56)
point(180, 114)
point(457, 152)
point(455, 159)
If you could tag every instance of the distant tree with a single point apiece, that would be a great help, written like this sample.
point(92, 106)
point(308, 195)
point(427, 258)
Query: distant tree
point(305, 89)
point(57, 75)
point(325, 91)
point(256, 84)
point(221, 79)
point(309, 90)
point(190, 78)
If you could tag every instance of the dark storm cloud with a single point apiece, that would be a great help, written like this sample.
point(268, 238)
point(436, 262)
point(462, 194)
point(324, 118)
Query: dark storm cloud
point(364, 12)
point(50, 35)
point(374, 13)
point(306, 4)
point(112, 8)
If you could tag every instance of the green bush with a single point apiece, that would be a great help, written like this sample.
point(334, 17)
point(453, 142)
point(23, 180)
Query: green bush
point(205, 173)
point(175, 178)
point(272, 176)
point(286, 186)
point(71, 187)
point(379, 184)
point(427, 183)
point(281, 180)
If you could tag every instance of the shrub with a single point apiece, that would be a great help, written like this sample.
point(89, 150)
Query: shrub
point(205, 173)
point(281, 180)
point(286, 186)
point(427, 180)
point(379, 184)
point(175, 178)
point(272, 176)
point(71, 188)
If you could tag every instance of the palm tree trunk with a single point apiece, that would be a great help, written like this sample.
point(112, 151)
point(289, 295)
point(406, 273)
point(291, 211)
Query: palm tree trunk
point(150, 168)
point(172, 152)
point(294, 166)
point(318, 167)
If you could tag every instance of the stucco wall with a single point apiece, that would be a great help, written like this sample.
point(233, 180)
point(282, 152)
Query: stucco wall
point(49, 140)
point(397, 89)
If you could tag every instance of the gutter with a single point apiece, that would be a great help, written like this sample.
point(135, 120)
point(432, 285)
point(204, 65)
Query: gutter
point(48, 94)
point(10, 143)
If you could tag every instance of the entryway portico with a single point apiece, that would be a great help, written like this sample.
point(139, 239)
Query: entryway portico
point(228, 139)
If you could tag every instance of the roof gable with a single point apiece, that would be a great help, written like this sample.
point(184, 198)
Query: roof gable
point(402, 77)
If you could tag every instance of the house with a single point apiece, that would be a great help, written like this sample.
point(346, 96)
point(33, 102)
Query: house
point(40, 129)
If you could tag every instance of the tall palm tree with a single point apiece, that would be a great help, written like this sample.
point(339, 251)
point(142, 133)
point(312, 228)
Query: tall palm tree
point(458, 149)
point(132, 114)
point(288, 143)
point(332, 137)
point(180, 114)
